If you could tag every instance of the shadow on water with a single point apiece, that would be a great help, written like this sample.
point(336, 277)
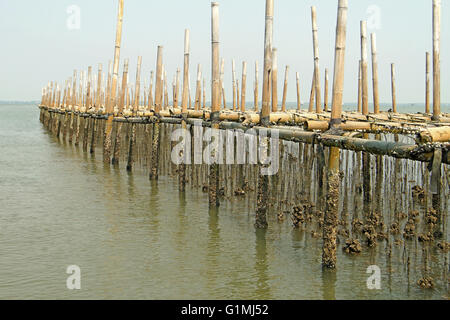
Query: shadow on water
point(262, 265)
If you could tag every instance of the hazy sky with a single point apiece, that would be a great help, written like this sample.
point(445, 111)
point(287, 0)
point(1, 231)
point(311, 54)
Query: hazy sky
point(38, 45)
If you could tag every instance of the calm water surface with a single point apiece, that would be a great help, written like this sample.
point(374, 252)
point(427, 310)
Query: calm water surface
point(135, 239)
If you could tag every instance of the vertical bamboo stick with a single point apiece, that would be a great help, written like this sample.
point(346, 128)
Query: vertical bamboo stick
point(111, 104)
point(150, 91)
point(274, 80)
point(376, 103)
point(299, 104)
point(159, 75)
point(221, 90)
point(359, 86)
point(177, 89)
point(312, 93)
point(267, 76)
point(124, 87)
point(364, 67)
point(185, 96)
point(198, 91)
point(436, 59)
point(215, 107)
point(263, 180)
point(238, 95)
point(394, 97)
point(204, 93)
point(316, 59)
point(427, 82)
point(99, 86)
point(166, 93)
point(233, 67)
point(255, 90)
point(333, 181)
point(137, 92)
point(283, 104)
point(244, 85)
point(325, 98)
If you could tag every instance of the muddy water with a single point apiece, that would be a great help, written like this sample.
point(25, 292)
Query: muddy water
point(132, 238)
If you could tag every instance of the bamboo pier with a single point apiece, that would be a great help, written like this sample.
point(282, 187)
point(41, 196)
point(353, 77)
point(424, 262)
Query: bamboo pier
point(333, 163)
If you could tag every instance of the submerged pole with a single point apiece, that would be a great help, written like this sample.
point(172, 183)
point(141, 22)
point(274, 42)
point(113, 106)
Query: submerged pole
point(263, 180)
point(215, 106)
point(154, 174)
point(111, 104)
point(333, 181)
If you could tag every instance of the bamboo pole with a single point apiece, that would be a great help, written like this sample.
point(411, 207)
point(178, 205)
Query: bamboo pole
point(177, 89)
point(89, 89)
point(333, 181)
point(376, 103)
point(394, 96)
point(427, 83)
point(274, 80)
point(159, 75)
point(325, 98)
point(238, 95)
point(436, 59)
point(359, 86)
point(124, 87)
point(312, 93)
point(110, 105)
point(263, 180)
point(299, 103)
point(283, 103)
point(166, 91)
point(244, 85)
point(137, 87)
point(185, 96)
point(99, 85)
point(150, 91)
point(215, 104)
point(204, 94)
point(268, 38)
point(222, 84)
point(316, 59)
point(255, 90)
point(364, 67)
point(198, 91)
point(233, 70)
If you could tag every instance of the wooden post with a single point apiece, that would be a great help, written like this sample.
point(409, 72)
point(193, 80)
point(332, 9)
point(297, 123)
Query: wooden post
point(215, 104)
point(299, 103)
point(312, 93)
point(159, 76)
point(274, 80)
point(111, 104)
point(427, 83)
point(268, 39)
point(263, 180)
point(233, 67)
point(325, 98)
point(185, 96)
point(333, 181)
point(255, 91)
point(150, 92)
point(376, 103)
point(316, 59)
point(244, 85)
point(156, 126)
point(99, 85)
point(124, 87)
point(364, 66)
point(177, 89)
point(436, 59)
point(394, 97)
point(198, 91)
point(359, 86)
point(222, 87)
point(138, 87)
point(283, 104)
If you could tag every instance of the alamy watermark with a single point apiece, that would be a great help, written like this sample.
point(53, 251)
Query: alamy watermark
point(73, 21)
point(232, 146)
point(73, 282)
